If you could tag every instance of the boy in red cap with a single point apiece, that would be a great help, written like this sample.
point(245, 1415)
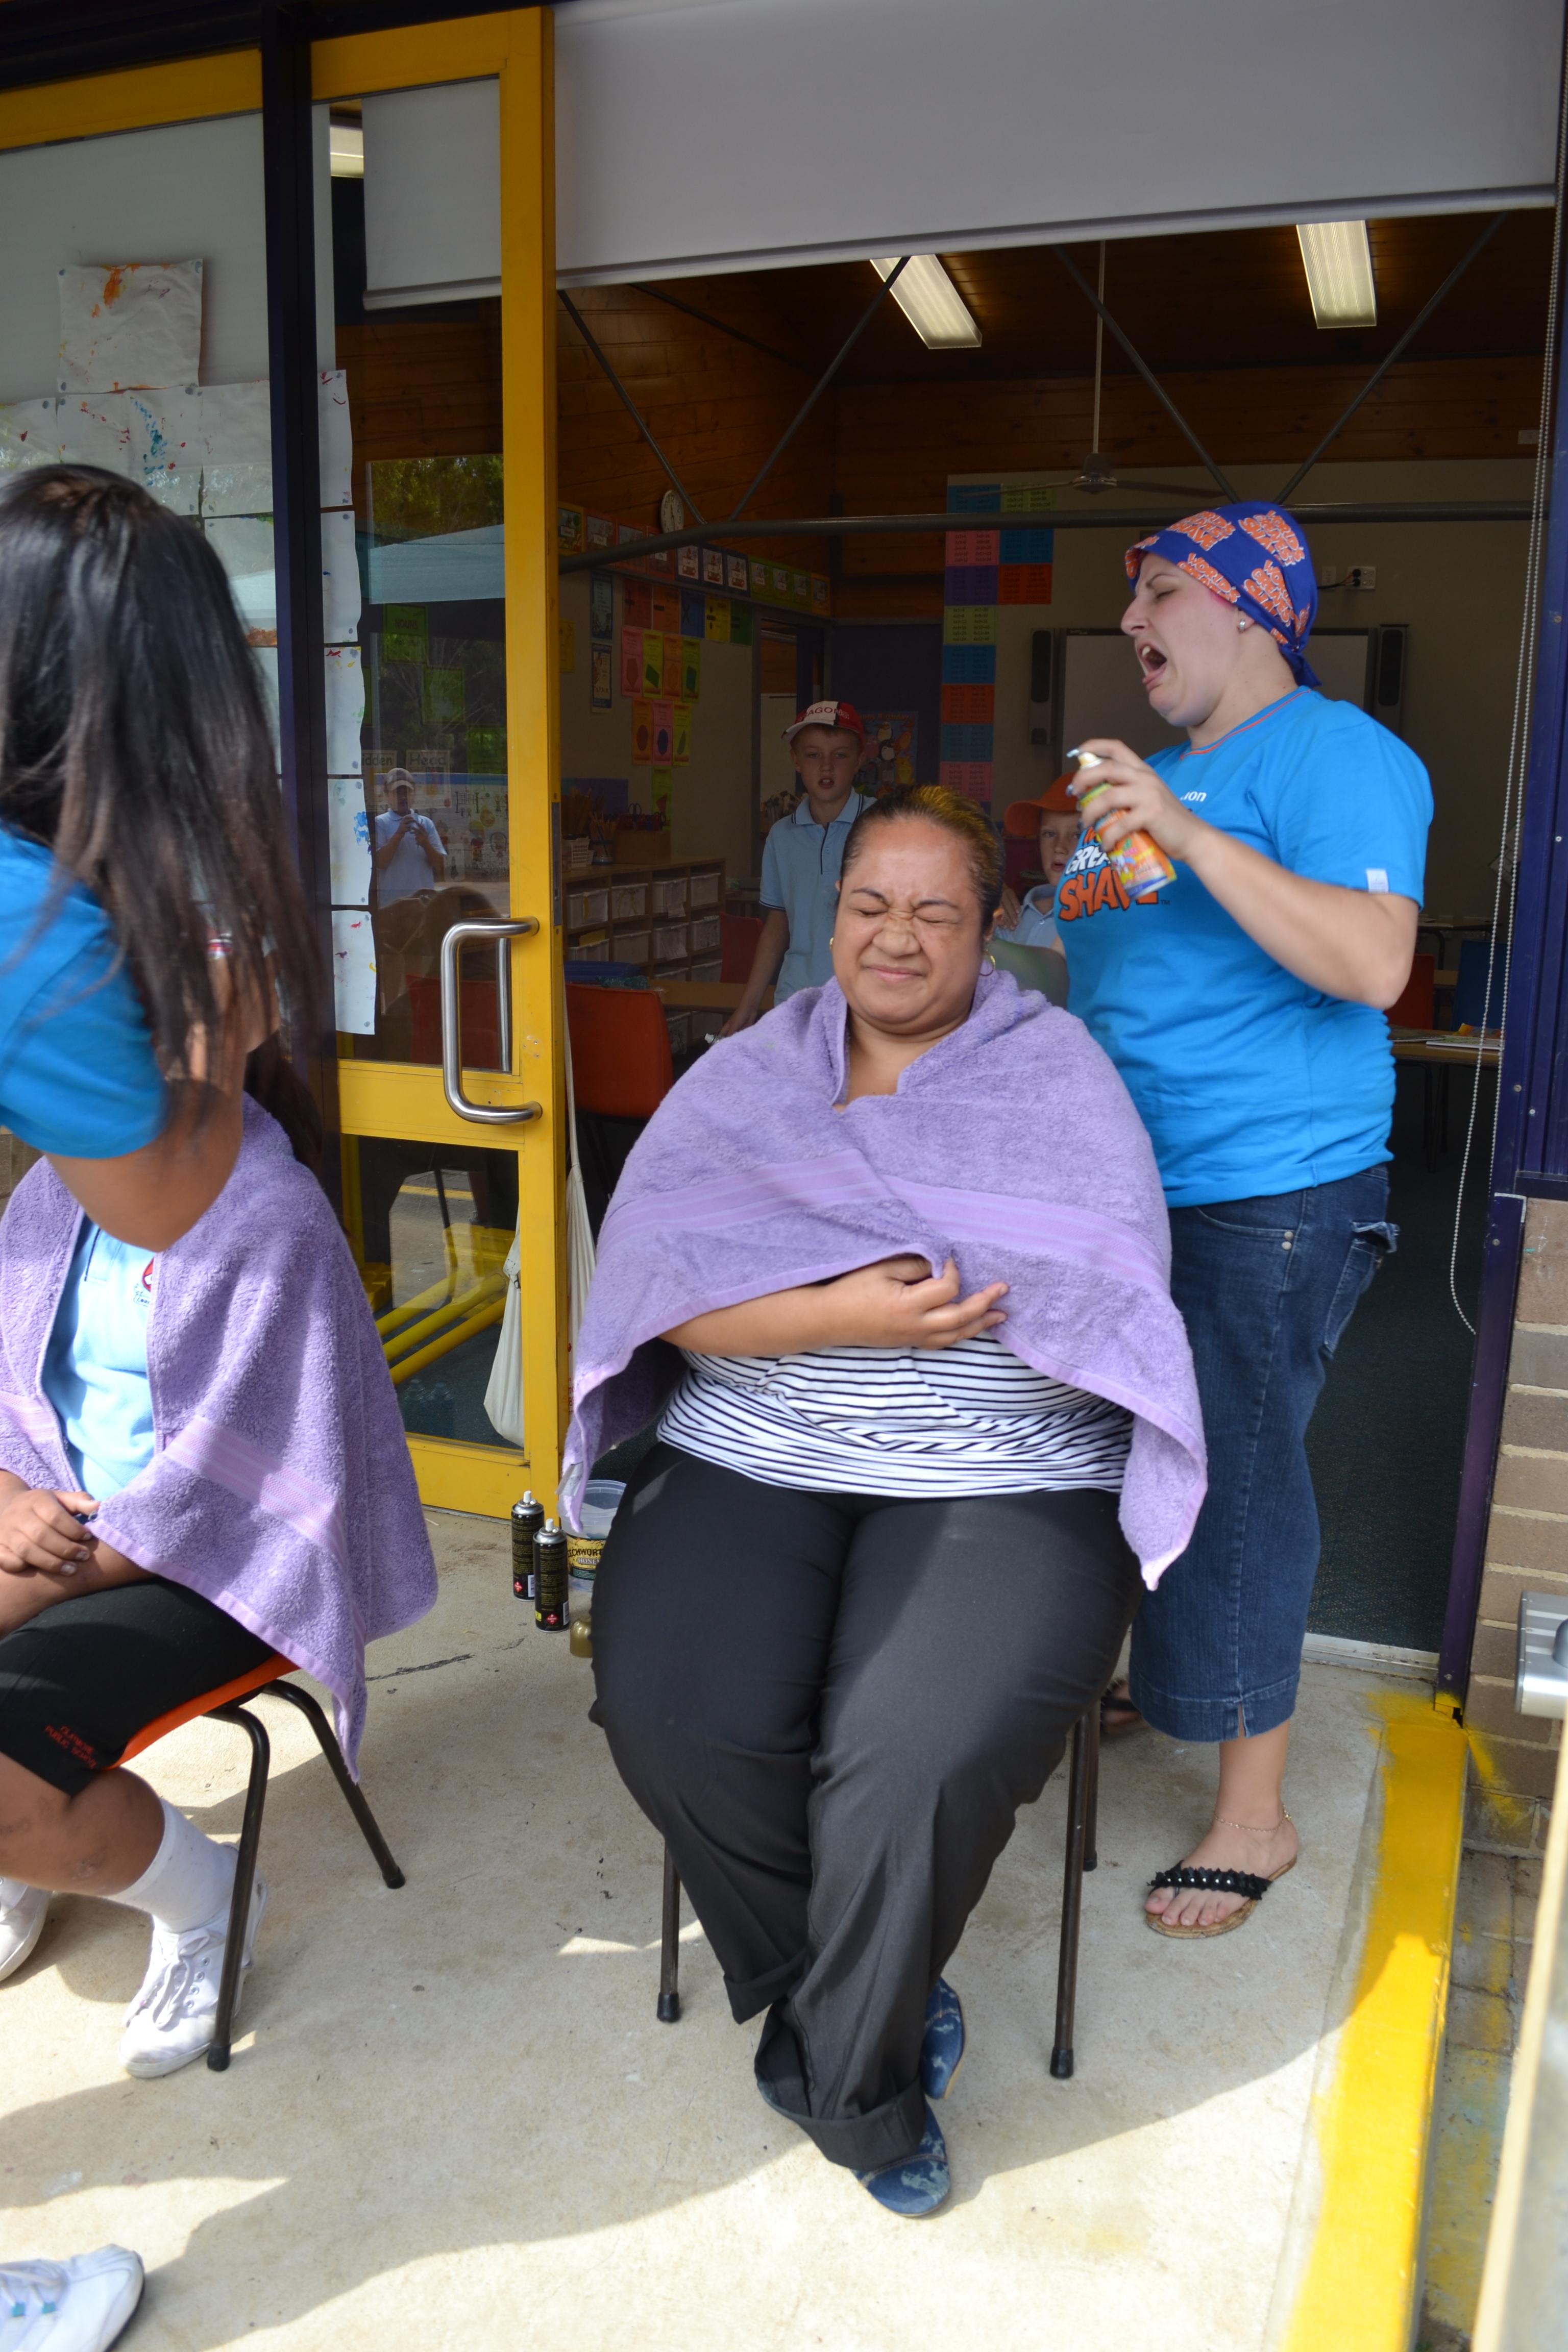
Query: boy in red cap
point(802, 856)
point(1054, 821)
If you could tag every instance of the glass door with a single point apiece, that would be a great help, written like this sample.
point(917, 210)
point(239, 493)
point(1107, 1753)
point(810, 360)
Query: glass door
point(443, 802)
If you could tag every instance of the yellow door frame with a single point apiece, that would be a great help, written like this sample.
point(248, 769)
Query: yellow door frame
point(516, 47)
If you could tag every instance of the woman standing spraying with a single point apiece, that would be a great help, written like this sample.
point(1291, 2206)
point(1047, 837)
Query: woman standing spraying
point(1243, 1005)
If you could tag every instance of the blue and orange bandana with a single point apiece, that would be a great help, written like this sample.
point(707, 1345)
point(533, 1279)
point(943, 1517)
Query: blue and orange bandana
point(1254, 556)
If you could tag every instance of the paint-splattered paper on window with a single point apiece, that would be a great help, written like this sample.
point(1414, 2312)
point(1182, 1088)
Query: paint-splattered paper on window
point(353, 971)
point(348, 831)
point(345, 711)
point(336, 438)
point(30, 433)
point(163, 456)
point(131, 325)
point(231, 426)
point(95, 430)
point(339, 580)
point(243, 544)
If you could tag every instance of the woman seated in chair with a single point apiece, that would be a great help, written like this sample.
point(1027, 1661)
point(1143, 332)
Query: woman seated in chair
point(201, 1458)
point(926, 1408)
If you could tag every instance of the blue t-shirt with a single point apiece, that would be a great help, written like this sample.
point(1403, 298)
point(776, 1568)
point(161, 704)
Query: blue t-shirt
point(801, 864)
point(76, 1070)
point(1247, 1080)
point(95, 1366)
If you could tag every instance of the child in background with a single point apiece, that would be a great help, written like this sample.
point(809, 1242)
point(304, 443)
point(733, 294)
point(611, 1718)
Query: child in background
point(1030, 945)
point(801, 859)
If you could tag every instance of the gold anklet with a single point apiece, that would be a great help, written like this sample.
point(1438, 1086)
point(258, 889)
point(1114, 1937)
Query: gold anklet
point(1224, 1821)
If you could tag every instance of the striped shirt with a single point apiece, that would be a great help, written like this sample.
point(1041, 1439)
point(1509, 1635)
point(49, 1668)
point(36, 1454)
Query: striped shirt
point(973, 1419)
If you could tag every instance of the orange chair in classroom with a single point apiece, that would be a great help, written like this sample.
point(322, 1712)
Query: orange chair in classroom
point(621, 1064)
point(1413, 1010)
point(738, 936)
point(224, 1704)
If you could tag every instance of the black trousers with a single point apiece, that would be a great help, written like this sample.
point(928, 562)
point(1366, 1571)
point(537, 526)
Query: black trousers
point(832, 1707)
point(78, 1681)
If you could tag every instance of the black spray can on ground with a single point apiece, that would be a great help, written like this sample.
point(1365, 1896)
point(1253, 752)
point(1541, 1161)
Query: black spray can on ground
point(527, 1518)
point(550, 1590)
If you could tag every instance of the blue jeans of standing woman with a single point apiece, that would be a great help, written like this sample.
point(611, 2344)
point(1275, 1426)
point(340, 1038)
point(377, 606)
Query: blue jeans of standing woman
point(1267, 1286)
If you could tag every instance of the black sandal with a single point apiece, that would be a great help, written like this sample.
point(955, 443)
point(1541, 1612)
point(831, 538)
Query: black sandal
point(1213, 1882)
point(1118, 1716)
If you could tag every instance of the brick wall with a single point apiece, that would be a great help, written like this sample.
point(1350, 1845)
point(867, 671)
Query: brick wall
point(1527, 1537)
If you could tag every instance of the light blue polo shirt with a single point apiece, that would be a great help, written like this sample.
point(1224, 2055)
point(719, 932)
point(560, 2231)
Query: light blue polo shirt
point(1249, 1081)
point(801, 864)
point(1035, 926)
point(77, 1071)
point(95, 1366)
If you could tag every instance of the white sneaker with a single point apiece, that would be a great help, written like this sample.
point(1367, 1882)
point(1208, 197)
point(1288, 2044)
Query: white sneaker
point(172, 2018)
point(21, 1925)
point(79, 2306)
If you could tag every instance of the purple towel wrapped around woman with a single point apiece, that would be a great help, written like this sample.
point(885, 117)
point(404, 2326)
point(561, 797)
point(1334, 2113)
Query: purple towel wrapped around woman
point(281, 1488)
point(1011, 1146)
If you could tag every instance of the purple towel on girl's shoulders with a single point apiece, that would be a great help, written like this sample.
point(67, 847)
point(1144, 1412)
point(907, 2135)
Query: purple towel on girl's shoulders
point(1011, 1146)
point(281, 1487)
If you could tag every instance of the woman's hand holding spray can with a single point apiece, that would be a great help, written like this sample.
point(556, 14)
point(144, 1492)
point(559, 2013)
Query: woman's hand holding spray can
point(1139, 863)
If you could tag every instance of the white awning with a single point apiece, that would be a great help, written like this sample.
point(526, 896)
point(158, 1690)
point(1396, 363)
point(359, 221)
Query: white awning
point(703, 135)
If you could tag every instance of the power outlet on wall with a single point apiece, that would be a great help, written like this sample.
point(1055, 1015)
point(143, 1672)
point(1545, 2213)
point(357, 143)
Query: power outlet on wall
point(1362, 575)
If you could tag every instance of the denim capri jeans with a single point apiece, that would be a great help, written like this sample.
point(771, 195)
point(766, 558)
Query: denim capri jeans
point(1267, 1286)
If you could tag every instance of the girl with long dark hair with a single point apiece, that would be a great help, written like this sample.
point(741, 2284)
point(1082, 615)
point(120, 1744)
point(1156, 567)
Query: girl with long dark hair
point(202, 1463)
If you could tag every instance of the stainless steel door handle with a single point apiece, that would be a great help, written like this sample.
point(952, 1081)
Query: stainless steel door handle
point(501, 932)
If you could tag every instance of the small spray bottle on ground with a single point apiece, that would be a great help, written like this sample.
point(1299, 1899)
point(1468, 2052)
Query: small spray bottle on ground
point(527, 1518)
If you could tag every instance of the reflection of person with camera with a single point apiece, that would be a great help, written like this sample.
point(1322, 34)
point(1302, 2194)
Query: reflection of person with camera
point(408, 855)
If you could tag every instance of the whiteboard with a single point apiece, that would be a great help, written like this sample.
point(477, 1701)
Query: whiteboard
point(1102, 694)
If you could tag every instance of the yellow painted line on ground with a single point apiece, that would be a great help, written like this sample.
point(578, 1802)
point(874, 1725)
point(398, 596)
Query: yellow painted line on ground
point(1372, 2121)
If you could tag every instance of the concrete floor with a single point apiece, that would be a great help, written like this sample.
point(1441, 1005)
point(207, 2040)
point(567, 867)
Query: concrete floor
point(453, 2119)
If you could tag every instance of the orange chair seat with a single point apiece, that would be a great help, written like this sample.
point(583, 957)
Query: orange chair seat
point(270, 1670)
point(621, 1064)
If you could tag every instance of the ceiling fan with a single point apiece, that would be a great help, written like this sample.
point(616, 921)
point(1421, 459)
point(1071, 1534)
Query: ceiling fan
point(1096, 474)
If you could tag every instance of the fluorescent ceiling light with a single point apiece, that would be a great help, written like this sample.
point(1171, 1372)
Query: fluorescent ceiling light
point(347, 142)
point(1338, 262)
point(930, 303)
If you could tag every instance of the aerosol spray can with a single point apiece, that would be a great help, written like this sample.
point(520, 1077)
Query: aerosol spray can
point(527, 1518)
point(550, 1589)
point(1140, 865)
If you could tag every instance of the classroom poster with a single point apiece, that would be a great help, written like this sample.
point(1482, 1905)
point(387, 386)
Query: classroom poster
point(681, 734)
point(688, 562)
point(714, 567)
point(671, 681)
point(666, 606)
point(600, 697)
point(652, 662)
point(740, 625)
point(691, 668)
point(663, 733)
point(716, 620)
point(403, 633)
point(601, 608)
point(642, 733)
point(737, 575)
point(638, 606)
point(631, 663)
point(444, 701)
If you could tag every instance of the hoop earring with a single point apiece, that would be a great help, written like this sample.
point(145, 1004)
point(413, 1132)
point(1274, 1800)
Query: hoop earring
point(990, 959)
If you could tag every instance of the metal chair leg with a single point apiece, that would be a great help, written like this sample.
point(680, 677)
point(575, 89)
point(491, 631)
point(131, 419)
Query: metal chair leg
point(1072, 1898)
point(327, 1741)
point(244, 1882)
point(1091, 1801)
point(669, 1950)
